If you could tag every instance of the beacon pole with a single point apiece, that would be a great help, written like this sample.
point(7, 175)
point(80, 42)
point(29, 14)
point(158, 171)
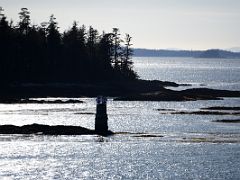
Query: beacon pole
point(101, 119)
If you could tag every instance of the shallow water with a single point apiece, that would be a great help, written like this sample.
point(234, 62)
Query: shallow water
point(149, 144)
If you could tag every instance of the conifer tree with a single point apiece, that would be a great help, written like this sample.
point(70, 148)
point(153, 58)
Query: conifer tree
point(126, 59)
point(53, 48)
point(24, 23)
point(4, 46)
point(116, 49)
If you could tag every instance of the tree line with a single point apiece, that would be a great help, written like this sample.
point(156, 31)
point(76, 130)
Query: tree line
point(41, 54)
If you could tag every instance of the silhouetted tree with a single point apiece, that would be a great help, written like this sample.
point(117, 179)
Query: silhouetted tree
point(43, 31)
point(75, 50)
point(53, 35)
point(31, 53)
point(1, 12)
point(53, 47)
point(4, 46)
point(92, 41)
point(105, 56)
point(116, 49)
point(24, 23)
point(127, 63)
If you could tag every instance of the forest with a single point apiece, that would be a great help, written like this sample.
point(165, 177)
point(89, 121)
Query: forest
point(42, 54)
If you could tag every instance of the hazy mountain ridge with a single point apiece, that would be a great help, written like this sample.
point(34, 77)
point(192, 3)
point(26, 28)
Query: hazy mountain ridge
point(211, 53)
point(234, 49)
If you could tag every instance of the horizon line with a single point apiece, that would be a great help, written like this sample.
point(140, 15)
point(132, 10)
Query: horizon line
point(178, 49)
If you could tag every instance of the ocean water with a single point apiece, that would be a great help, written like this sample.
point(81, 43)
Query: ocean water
point(212, 73)
point(148, 144)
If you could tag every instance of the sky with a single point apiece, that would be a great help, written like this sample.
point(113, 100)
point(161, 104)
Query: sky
point(153, 24)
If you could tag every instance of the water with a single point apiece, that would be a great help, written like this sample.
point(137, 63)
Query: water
point(213, 73)
point(148, 144)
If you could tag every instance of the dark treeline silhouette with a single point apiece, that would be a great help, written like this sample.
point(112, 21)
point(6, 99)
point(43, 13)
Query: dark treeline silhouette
point(41, 54)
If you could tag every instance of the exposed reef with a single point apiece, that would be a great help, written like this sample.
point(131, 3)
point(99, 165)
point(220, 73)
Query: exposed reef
point(222, 108)
point(184, 95)
point(216, 110)
point(206, 113)
point(228, 121)
point(31, 101)
point(49, 130)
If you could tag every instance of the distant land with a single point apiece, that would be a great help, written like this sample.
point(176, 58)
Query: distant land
point(210, 53)
point(234, 49)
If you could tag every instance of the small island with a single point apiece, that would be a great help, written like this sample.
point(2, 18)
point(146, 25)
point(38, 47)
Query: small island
point(38, 61)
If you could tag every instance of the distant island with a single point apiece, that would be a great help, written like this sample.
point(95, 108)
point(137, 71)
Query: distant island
point(211, 53)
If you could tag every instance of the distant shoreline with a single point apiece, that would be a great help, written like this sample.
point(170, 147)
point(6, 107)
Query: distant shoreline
point(211, 53)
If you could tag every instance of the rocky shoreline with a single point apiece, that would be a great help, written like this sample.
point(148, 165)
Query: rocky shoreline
point(33, 101)
point(184, 95)
point(138, 90)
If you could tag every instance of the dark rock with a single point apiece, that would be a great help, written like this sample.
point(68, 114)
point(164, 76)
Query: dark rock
point(165, 109)
point(16, 92)
point(210, 92)
point(30, 101)
point(165, 96)
point(206, 113)
point(228, 121)
point(49, 130)
point(184, 95)
point(148, 136)
point(222, 108)
point(87, 113)
point(138, 90)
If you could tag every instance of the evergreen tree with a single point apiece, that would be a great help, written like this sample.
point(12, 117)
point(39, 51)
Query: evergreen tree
point(92, 40)
point(116, 49)
point(53, 35)
point(1, 12)
point(43, 32)
point(74, 48)
point(24, 23)
point(53, 48)
point(105, 56)
point(4, 47)
point(127, 63)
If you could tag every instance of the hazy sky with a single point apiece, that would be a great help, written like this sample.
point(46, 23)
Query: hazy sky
point(183, 24)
